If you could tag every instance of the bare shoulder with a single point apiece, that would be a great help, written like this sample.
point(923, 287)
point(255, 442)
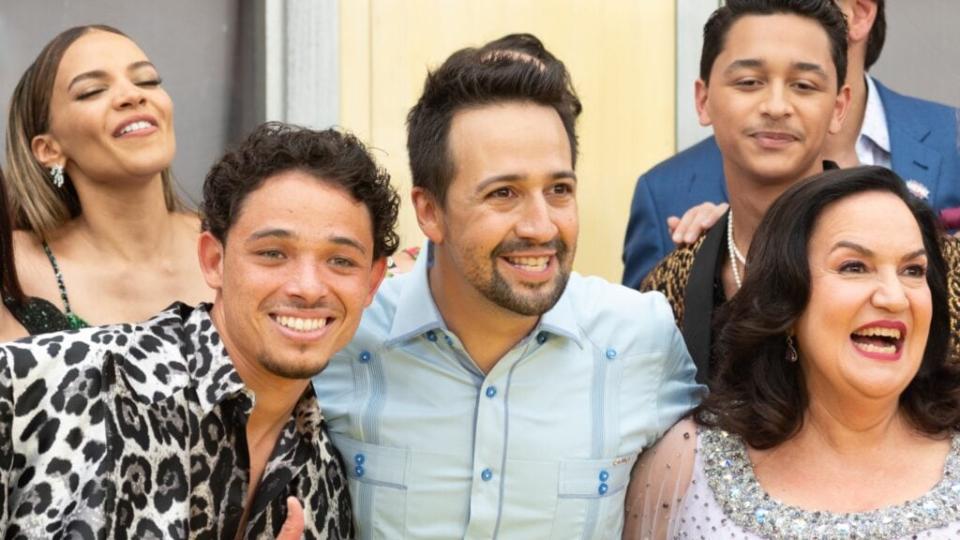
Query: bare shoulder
point(33, 267)
point(10, 328)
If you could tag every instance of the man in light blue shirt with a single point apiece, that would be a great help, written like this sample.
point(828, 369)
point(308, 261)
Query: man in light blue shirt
point(491, 392)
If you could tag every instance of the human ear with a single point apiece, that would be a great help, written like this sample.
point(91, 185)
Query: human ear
point(700, 101)
point(210, 251)
point(429, 214)
point(46, 150)
point(376, 278)
point(840, 108)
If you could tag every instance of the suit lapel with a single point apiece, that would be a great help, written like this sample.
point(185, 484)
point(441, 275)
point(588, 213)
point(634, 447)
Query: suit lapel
point(909, 156)
point(698, 299)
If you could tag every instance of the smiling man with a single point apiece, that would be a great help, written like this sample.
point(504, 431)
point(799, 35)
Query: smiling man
point(770, 85)
point(201, 422)
point(917, 139)
point(491, 391)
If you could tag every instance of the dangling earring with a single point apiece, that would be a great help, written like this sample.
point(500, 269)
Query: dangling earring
point(791, 355)
point(56, 175)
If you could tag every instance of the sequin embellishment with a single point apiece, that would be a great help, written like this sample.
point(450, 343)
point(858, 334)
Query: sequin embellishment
point(729, 473)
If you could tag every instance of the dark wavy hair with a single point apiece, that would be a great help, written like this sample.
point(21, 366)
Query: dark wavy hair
point(329, 155)
point(878, 34)
point(762, 397)
point(824, 12)
point(9, 284)
point(516, 67)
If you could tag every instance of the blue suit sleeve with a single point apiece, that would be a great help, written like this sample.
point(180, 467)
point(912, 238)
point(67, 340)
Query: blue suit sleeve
point(643, 245)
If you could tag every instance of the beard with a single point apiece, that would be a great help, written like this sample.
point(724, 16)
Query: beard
point(540, 297)
point(287, 370)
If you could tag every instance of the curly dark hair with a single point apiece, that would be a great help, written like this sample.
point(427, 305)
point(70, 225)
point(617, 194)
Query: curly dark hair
point(760, 396)
point(825, 12)
point(516, 67)
point(329, 155)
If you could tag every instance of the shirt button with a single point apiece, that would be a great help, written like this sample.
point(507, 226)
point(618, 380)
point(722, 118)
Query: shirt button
point(611, 353)
point(364, 357)
point(491, 391)
point(431, 335)
point(360, 458)
point(542, 338)
point(604, 476)
point(602, 489)
point(486, 474)
point(359, 470)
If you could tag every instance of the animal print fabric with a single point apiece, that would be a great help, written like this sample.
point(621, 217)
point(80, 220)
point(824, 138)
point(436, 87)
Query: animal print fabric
point(138, 431)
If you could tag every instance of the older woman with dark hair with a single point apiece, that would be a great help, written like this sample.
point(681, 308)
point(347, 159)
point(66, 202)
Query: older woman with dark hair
point(834, 410)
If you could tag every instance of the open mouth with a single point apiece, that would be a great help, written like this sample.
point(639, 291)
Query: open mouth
point(879, 340)
point(300, 324)
point(529, 264)
point(135, 127)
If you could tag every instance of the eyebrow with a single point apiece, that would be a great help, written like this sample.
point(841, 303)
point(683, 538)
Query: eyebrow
point(868, 253)
point(270, 233)
point(287, 234)
point(347, 241)
point(101, 74)
point(517, 178)
point(753, 63)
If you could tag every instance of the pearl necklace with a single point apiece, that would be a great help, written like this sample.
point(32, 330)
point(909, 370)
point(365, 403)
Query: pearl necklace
point(735, 254)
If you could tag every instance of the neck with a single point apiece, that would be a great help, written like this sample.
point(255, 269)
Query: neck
point(275, 396)
point(841, 147)
point(133, 223)
point(750, 198)
point(486, 330)
point(853, 428)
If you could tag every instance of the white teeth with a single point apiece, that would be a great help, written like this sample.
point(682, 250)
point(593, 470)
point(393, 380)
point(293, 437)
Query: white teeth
point(879, 332)
point(870, 347)
point(135, 126)
point(300, 325)
point(530, 263)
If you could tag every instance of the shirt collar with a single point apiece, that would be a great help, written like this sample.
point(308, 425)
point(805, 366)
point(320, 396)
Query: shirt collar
point(208, 363)
point(417, 312)
point(874, 125)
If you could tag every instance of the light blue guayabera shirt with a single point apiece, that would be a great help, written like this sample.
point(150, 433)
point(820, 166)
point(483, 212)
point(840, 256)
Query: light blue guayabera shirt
point(540, 447)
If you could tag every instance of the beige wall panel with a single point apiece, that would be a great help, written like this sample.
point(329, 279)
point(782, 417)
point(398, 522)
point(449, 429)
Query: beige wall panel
point(621, 56)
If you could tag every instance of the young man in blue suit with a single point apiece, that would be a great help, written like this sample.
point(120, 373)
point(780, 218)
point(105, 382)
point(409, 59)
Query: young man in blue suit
point(916, 138)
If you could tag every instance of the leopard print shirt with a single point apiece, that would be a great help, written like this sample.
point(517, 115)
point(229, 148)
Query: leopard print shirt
point(671, 274)
point(138, 431)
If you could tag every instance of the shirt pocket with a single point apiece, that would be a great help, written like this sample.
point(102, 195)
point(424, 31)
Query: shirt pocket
point(590, 496)
point(378, 486)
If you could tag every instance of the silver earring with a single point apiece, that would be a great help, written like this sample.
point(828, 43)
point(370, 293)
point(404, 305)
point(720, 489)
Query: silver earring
point(56, 175)
point(791, 355)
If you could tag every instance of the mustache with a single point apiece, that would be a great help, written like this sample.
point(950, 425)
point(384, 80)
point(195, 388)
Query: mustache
point(776, 127)
point(508, 246)
point(293, 303)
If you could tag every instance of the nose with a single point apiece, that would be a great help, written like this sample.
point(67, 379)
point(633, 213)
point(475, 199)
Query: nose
point(128, 95)
point(537, 222)
point(890, 294)
point(776, 103)
point(307, 282)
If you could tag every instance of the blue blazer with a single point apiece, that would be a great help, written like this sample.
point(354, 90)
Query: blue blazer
point(924, 147)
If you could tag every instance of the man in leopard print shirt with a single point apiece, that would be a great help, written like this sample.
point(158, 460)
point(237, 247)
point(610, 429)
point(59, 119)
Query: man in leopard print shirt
point(201, 422)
